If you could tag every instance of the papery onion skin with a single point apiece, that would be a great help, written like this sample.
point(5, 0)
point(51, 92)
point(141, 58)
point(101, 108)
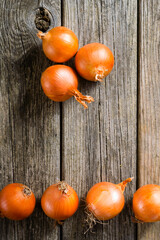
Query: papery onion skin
point(59, 201)
point(17, 201)
point(146, 203)
point(105, 200)
point(60, 82)
point(94, 61)
point(59, 44)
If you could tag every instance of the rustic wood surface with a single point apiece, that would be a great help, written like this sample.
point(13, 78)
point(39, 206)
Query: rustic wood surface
point(42, 141)
point(149, 105)
point(100, 144)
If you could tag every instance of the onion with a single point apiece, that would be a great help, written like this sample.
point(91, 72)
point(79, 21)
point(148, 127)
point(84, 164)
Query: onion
point(105, 200)
point(59, 201)
point(60, 82)
point(59, 44)
point(94, 61)
point(146, 203)
point(17, 201)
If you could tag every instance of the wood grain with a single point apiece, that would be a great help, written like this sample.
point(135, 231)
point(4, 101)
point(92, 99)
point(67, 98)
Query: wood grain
point(29, 122)
point(149, 105)
point(99, 144)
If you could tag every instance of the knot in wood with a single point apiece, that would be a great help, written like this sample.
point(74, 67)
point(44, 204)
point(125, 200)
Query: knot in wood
point(42, 19)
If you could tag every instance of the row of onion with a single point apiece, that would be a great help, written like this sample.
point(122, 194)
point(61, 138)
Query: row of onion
point(93, 62)
point(104, 201)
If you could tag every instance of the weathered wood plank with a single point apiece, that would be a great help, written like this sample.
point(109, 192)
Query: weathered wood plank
point(149, 105)
point(29, 122)
point(99, 144)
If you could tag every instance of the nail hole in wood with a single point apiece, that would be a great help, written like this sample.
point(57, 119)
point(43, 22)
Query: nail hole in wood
point(42, 19)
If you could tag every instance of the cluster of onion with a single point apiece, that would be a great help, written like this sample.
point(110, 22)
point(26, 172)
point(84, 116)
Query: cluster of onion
point(93, 62)
point(104, 201)
point(17, 201)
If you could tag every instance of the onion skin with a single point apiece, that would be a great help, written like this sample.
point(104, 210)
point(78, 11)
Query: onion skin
point(59, 201)
point(59, 44)
point(60, 82)
point(146, 203)
point(17, 201)
point(94, 61)
point(105, 200)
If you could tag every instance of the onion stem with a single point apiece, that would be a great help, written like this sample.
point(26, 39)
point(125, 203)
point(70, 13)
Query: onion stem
point(81, 98)
point(99, 77)
point(123, 184)
point(27, 191)
point(41, 35)
point(63, 187)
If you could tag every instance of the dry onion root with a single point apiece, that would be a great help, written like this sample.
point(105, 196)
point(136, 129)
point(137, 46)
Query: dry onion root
point(104, 201)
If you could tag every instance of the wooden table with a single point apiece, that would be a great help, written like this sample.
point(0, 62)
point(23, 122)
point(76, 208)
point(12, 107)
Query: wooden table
point(42, 141)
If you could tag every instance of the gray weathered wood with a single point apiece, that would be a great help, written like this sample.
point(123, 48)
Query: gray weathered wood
point(99, 144)
point(29, 122)
point(149, 105)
